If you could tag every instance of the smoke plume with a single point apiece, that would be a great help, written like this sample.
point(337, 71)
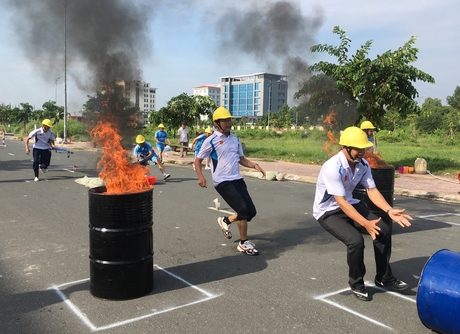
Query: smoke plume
point(277, 35)
point(104, 38)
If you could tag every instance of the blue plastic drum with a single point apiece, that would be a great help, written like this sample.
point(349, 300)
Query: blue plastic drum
point(438, 296)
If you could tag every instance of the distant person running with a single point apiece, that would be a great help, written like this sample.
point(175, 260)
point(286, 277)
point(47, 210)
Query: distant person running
point(144, 153)
point(198, 141)
point(161, 136)
point(44, 143)
point(226, 153)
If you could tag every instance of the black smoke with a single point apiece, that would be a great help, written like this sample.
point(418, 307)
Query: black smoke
point(276, 34)
point(105, 39)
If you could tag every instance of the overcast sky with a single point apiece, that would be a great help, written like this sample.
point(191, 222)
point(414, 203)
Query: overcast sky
point(189, 43)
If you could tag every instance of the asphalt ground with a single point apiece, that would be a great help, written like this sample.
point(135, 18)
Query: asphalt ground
point(202, 284)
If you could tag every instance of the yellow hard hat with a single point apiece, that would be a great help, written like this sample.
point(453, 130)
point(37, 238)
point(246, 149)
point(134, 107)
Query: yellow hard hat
point(221, 113)
point(354, 137)
point(161, 126)
point(367, 125)
point(47, 122)
point(140, 139)
point(208, 130)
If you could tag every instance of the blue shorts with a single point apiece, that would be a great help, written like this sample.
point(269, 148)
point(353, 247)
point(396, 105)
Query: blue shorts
point(160, 147)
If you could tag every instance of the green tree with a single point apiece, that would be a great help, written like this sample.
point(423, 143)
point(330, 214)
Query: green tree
point(5, 113)
point(373, 85)
point(52, 111)
point(454, 100)
point(22, 115)
point(182, 108)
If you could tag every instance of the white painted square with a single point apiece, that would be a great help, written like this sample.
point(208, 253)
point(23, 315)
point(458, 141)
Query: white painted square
point(88, 310)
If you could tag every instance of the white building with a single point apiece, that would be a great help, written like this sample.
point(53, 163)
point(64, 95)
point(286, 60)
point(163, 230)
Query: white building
point(213, 91)
point(141, 94)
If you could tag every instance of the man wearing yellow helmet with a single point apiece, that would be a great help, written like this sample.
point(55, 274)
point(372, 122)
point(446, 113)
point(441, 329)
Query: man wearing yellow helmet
point(161, 136)
point(198, 141)
point(144, 153)
point(346, 217)
point(226, 154)
point(368, 129)
point(43, 144)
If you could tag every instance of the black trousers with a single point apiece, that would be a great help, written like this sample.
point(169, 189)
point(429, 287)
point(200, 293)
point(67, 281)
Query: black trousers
point(349, 232)
point(235, 193)
point(41, 157)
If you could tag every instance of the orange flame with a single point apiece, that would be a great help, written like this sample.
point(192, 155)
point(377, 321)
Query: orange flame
point(118, 174)
point(375, 160)
point(330, 120)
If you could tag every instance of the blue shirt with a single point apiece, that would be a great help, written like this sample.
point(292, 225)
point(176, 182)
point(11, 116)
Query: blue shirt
point(161, 136)
point(225, 153)
point(199, 141)
point(336, 179)
point(145, 151)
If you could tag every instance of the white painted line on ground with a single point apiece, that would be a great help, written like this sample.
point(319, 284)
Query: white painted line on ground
point(121, 323)
point(355, 313)
point(74, 309)
point(184, 281)
point(224, 211)
point(324, 297)
point(94, 328)
point(439, 215)
point(431, 217)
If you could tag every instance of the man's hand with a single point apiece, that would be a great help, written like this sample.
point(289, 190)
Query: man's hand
point(398, 216)
point(372, 228)
point(27, 150)
point(202, 182)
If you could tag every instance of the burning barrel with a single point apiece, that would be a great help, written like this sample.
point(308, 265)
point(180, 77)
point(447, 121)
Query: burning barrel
point(120, 244)
point(384, 178)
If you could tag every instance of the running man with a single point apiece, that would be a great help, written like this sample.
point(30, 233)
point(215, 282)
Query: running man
point(161, 136)
point(44, 143)
point(226, 153)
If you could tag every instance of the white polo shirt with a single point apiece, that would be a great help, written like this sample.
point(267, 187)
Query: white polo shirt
point(225, 153)
point(336, 179)
point(42, 138)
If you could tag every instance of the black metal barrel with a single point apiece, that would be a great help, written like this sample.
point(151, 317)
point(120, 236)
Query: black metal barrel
point(384, 178)
point(120, 244)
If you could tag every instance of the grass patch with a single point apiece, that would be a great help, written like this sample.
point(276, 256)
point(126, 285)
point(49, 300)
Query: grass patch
point(307, 147)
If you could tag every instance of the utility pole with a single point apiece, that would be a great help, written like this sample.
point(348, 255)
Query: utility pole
point(65, 72)
point(55, 90)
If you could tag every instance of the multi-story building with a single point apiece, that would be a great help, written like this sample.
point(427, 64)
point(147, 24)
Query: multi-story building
point(253, 95)
point(213, 91)
point(141, 94)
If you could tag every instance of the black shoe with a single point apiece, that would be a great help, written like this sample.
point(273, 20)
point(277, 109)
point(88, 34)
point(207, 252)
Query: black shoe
point(361, 294)
point(394, 284)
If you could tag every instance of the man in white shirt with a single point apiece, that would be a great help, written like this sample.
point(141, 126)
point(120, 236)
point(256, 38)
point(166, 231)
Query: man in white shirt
point(183, 139)
point(44, 143)
point(226, 153)
point(346, 217)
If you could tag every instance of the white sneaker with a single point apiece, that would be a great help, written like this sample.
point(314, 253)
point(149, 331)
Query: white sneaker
point(36, 179)
point(207, 168)
point(247, 248)
point(224, 224)
point(166, 176)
